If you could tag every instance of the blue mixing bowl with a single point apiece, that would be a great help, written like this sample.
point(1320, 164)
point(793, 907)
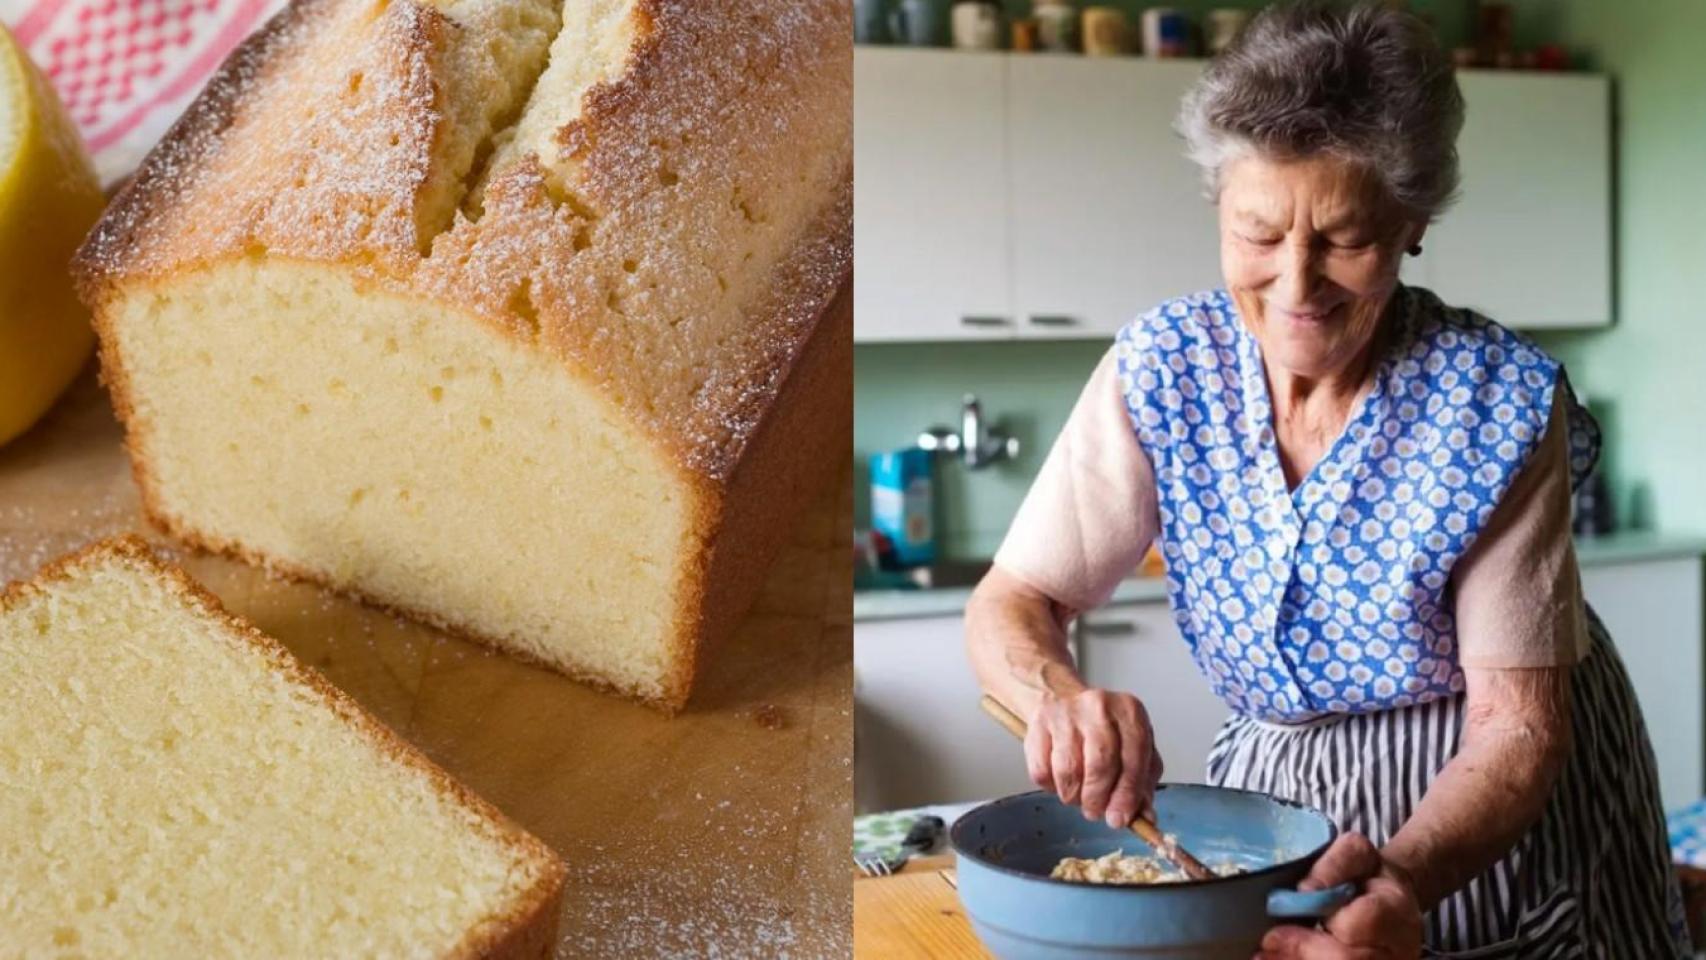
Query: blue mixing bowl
point(1007, 849)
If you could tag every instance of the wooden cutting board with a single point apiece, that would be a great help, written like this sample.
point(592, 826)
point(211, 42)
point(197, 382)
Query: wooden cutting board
point(723, 830)
point(913, 915)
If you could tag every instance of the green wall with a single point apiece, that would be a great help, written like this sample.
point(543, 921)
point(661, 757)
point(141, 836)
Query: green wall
point(1650, 366)
point(900, 390)
point(1646, 374)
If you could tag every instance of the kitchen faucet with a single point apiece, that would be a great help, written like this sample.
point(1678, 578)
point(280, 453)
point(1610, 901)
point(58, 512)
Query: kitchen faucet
point(976, 444)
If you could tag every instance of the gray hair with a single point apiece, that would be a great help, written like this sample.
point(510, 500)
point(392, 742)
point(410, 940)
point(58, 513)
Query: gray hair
point(1366, 83)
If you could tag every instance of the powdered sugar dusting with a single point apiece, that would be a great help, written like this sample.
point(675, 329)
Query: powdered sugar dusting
point(643, 920)
point(678, 252)
point(130, 239)
point(721, 890)
point(64, 483)
point(28, 543)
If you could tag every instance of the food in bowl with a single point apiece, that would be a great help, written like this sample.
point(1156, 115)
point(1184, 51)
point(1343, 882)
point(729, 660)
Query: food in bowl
point(1120, 867)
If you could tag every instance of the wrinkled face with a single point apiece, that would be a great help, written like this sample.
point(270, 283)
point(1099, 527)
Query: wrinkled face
point(1310, 251)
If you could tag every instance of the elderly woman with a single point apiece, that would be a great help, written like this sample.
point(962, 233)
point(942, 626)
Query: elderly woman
point(1362, 496)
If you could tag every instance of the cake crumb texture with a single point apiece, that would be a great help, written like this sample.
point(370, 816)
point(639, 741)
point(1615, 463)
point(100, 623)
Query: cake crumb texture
point(176, 784)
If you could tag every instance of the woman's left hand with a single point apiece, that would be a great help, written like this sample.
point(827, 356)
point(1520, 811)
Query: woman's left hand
point(1383, 923)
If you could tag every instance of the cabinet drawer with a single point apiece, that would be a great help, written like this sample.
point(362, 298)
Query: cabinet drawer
point(1001, 197)
point(930, 196)
point(1652, 610)
point(919, 737)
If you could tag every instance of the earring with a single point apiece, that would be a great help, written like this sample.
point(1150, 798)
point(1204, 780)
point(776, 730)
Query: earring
point(1416, 250)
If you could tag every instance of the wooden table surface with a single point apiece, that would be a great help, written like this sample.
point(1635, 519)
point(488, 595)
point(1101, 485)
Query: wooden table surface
point(723, 831)
point(913, 915)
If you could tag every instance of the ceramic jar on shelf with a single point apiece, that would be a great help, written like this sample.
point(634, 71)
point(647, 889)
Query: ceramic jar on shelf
point(977, 25)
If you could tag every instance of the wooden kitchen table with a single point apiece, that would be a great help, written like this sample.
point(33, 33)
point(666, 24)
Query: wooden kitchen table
point(723, 831)
point(913, 915)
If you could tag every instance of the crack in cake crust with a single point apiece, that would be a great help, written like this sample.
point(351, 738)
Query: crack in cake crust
point(620, 255)
point(634, 215)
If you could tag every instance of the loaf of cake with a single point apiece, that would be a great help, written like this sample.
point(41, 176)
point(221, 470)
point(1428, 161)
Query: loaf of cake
point(176, 784)
point(530, 320)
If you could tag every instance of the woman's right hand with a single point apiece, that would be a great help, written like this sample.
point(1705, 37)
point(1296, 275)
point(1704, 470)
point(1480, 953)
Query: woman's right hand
point(1095, 748)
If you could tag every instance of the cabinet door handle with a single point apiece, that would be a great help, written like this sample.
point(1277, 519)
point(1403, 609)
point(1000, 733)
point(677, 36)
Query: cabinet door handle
point(1110, 628)
point(1053, 320)
point(984, 320)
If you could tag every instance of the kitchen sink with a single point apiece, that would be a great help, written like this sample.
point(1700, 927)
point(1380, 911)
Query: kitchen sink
point(947, 574)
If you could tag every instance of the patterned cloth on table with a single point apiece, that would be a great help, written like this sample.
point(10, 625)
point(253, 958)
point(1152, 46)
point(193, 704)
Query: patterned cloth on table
point(125, 69)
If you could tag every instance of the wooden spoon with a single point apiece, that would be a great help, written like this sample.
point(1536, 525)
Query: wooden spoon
point(1144, 827)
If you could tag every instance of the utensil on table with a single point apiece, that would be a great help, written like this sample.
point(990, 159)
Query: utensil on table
point(876, 865)
point(1144, 827)
point(922, 835)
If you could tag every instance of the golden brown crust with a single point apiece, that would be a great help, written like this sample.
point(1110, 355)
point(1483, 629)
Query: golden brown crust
point(532, 937)
point(275, 159)
point(136, 213)
point(810, 424)
point(532, 917)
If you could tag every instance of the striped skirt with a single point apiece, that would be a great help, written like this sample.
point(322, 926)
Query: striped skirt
point(1592, 878)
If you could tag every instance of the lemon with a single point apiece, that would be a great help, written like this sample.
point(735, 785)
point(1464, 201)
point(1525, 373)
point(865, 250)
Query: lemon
point(49, 198)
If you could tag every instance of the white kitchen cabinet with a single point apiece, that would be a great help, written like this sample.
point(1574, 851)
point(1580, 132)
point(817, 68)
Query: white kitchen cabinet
point(1529, 244)
point(930, 196)
point(1109, 218)
point(919, 736)
point(1653, 611)
point(1137, 648)
point(1001, 196)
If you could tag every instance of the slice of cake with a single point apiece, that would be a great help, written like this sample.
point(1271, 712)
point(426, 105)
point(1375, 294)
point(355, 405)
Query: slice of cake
point(529, 319)
point(173, 783)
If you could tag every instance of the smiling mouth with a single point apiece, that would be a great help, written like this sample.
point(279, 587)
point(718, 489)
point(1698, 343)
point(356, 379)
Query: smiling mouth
point(1315, 316)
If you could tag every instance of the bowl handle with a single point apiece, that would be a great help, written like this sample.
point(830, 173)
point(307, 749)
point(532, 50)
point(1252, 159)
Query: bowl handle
point(1309, 904)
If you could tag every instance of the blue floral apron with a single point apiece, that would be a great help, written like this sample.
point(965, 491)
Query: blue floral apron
point(1322, 615)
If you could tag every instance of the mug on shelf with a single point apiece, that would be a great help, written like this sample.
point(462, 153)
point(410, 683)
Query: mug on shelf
point(1057, 25)
point(1105, 32)
point(920, 23)
point(977, 25)
point(870, 22)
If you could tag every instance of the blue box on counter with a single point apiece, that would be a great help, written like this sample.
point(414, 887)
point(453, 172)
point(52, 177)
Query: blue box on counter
point(902, 503)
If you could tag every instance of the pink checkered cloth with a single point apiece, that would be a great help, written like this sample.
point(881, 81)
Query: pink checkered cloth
point(125, 69)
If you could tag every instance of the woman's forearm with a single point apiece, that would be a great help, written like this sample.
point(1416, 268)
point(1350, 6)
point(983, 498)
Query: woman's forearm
point(1016, 639)
point(1515, 742)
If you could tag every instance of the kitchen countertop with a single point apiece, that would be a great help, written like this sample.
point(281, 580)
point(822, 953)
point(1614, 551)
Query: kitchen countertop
point(1631, 546)
point(951, 602)
point(722, 830)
